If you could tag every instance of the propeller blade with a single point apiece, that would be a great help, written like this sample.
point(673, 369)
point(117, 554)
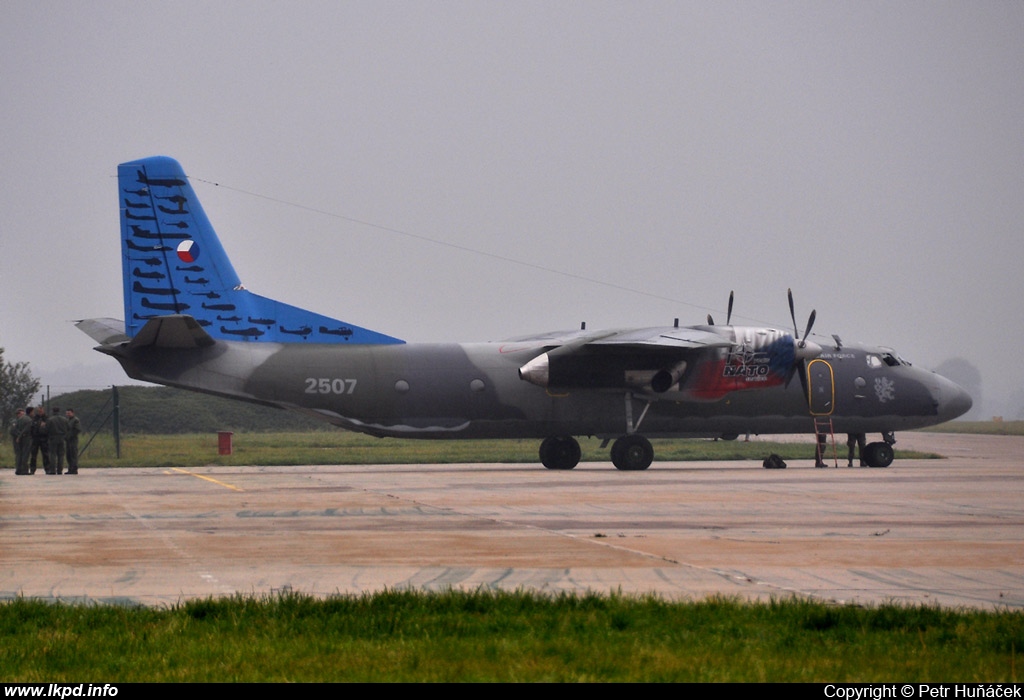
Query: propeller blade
point(711, 321)
point(810, 324)
point(799, 368)
point(789, 375)
point(728, 317)
point(803, 382)
point(792, 315)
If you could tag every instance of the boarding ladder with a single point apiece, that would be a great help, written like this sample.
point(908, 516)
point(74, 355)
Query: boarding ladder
point(823, 426)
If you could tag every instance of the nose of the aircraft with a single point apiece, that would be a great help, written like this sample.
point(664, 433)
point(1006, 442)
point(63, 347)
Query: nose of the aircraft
point(951, 399)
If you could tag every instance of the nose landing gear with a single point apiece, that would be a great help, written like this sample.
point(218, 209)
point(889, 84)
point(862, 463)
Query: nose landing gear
point(878, 454)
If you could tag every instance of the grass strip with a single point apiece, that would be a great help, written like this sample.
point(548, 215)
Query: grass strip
point(483, 635)
point(340, 447)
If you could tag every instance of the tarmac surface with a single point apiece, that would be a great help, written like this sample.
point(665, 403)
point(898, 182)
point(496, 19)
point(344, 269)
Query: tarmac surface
point(947, 532)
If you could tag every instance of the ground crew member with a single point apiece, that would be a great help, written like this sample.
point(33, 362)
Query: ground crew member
point(40, 440)
point(58, 434)
point(74, 429)
point(21, 434)
point(10, 431)
point(853, 439)
point(819, 451)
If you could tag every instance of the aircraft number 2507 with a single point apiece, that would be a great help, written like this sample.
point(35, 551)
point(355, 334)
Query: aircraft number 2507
point(325, 385)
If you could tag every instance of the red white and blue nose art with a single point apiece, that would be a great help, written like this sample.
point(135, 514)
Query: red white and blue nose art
point(188, 251)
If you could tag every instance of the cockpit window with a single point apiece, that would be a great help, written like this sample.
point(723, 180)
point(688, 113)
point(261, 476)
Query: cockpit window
point(886, 358)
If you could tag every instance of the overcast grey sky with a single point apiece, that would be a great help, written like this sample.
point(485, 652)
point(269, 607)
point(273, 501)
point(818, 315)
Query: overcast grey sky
point(870, 155)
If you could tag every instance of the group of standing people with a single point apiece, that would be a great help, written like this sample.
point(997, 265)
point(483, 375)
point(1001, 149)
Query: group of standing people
point(853, 440)
point(56, 438)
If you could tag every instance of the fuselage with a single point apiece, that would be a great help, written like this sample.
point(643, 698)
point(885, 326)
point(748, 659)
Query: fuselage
point(476, 391)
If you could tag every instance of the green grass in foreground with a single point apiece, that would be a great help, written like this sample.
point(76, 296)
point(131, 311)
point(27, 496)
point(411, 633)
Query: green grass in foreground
point(980, 427)
point(494, 636)
point(340, 447)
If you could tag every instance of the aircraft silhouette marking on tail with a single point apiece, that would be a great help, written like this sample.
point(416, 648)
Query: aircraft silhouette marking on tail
point(170, 210)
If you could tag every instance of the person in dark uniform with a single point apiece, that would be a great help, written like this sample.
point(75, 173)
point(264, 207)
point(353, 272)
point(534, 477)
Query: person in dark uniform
point(74, 430)
point(858, 440)
point(21, 433)
point(57, 430)
point(819, 451)
point(11, 431)
point(40, 440)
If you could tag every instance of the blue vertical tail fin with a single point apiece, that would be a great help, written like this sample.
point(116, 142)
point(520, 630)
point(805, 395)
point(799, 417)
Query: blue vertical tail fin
point(173, 263)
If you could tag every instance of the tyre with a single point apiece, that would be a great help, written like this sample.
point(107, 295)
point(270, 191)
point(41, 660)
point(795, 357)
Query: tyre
point(879, 455)
point(632, 453)
point(560, 452)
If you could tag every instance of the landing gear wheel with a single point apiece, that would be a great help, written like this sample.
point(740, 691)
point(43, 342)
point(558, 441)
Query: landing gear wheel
point(878, 454)
point(632, 453)
point(560, 452)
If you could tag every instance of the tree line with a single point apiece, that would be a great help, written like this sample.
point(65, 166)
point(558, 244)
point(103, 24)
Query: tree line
point(18, 386)
point(167, 411)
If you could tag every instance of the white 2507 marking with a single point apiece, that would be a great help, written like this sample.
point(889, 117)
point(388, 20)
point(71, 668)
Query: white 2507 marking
point(325, 385)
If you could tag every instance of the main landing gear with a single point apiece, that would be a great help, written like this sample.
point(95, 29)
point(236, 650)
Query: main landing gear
point(629, 453)
point(632, 453)
point(560, 452)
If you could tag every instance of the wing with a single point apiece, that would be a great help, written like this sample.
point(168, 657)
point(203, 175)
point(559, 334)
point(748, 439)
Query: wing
point(696, 363)
point(640, 359)
point(690, 338)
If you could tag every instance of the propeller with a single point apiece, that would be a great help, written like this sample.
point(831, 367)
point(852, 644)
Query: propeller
point(728, 316)
point(810, 321)
point(809, 349)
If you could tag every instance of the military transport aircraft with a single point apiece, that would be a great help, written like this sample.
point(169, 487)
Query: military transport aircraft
point(190, 323)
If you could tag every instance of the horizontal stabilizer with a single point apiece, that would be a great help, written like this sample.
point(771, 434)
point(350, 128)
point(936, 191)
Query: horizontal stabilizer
point(105, 331)
point(173, 332)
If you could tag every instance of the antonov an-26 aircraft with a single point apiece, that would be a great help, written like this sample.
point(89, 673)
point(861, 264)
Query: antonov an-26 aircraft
point(190, 323)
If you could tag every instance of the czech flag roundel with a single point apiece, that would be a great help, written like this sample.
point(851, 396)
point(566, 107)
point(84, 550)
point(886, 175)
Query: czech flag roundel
point(188, 251)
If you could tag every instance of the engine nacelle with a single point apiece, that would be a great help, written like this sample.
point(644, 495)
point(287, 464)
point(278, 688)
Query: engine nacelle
point(605, 371)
